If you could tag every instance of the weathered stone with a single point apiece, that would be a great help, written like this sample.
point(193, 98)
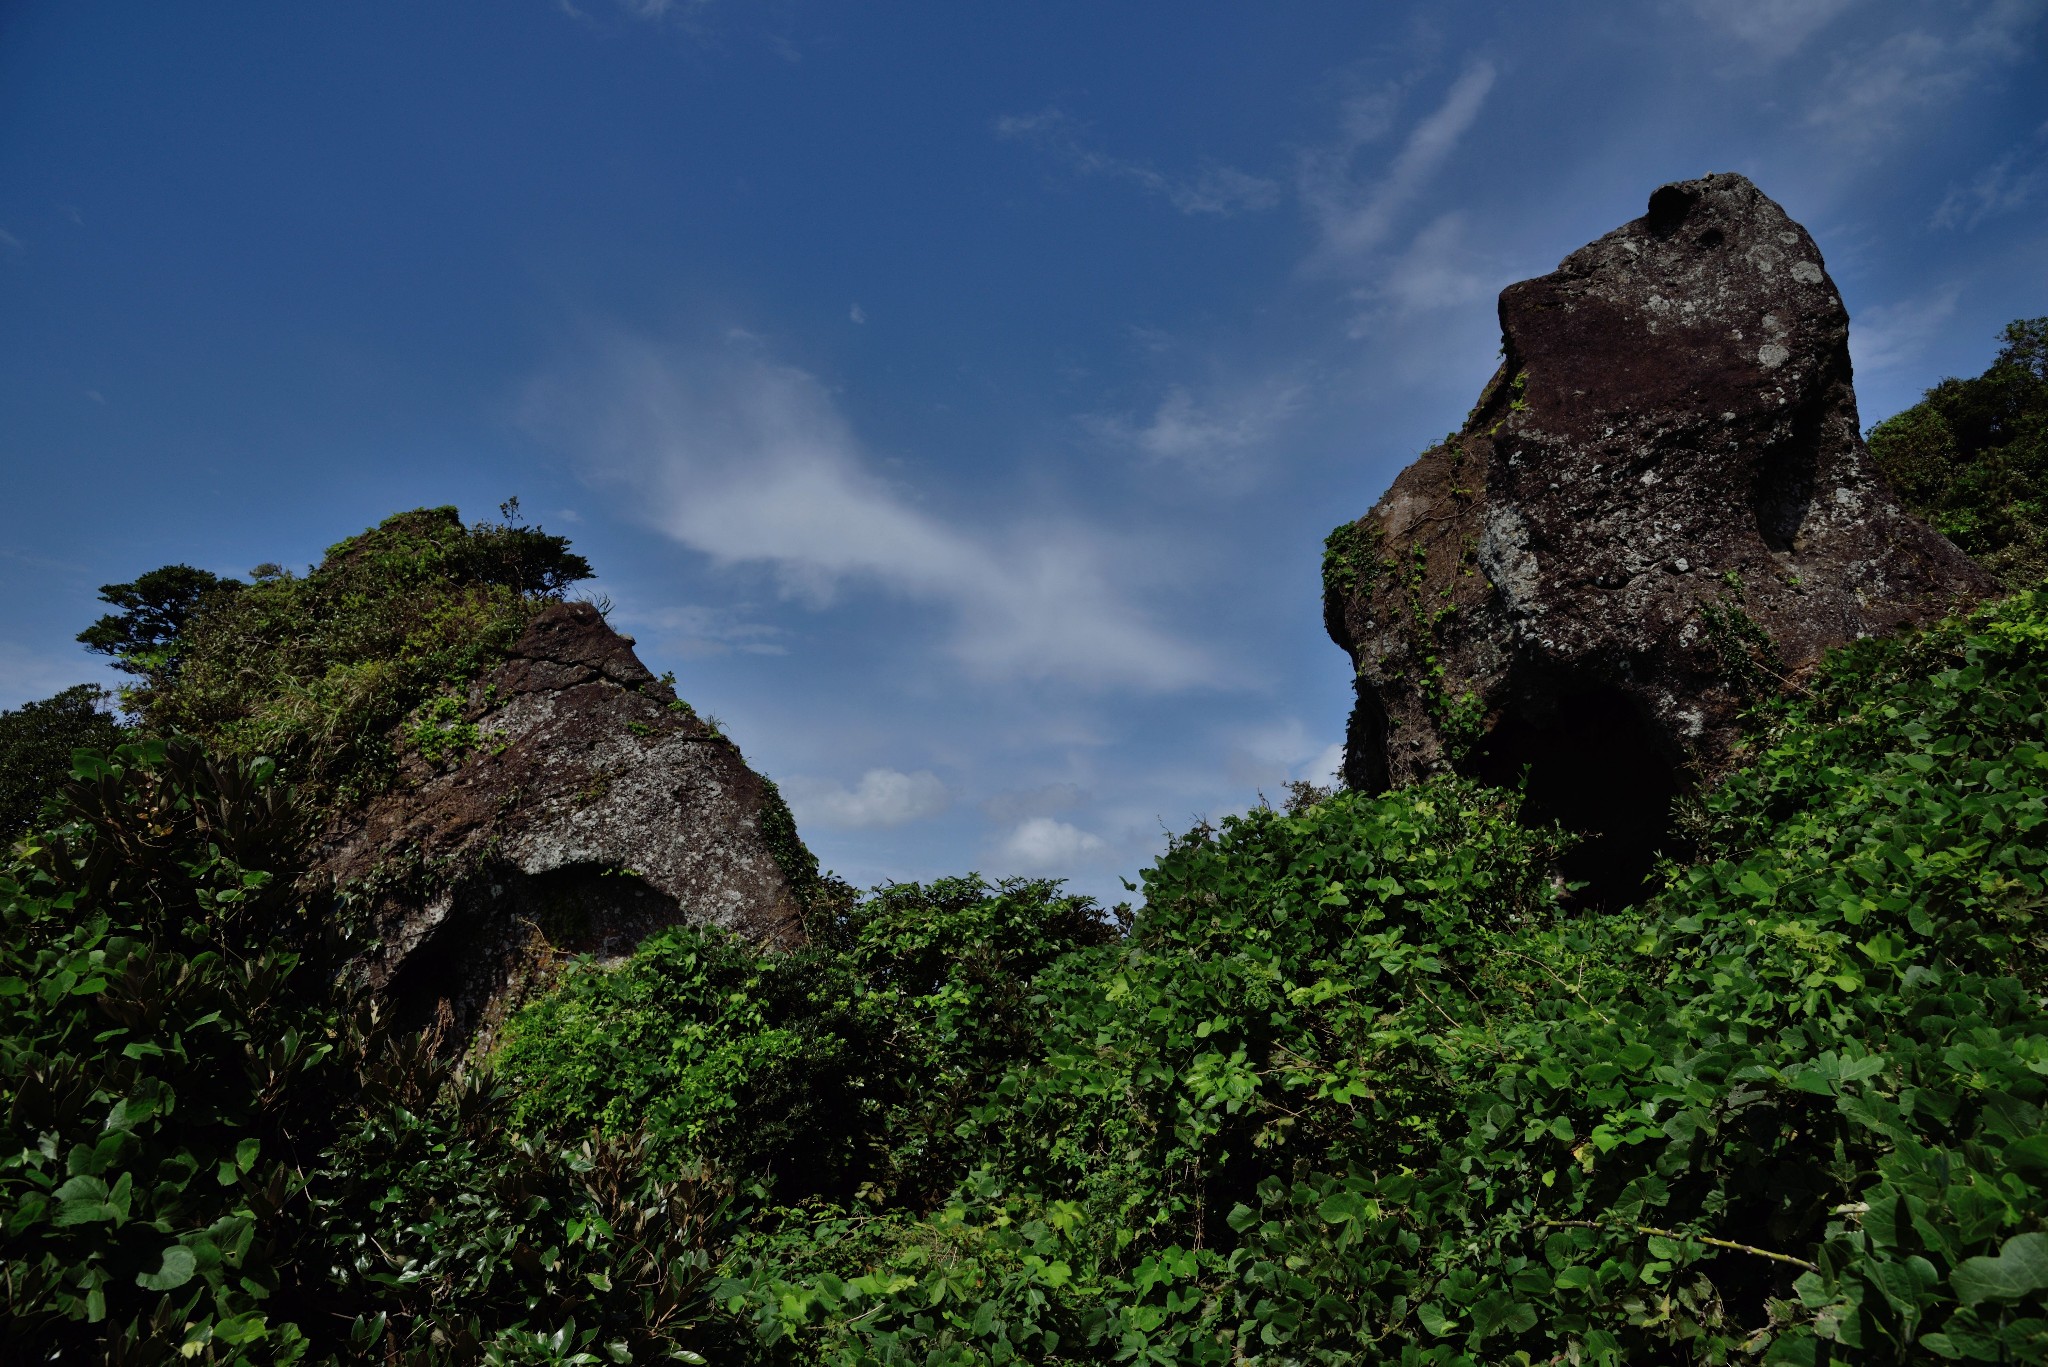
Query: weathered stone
point(1661, 502)
point(591, 809)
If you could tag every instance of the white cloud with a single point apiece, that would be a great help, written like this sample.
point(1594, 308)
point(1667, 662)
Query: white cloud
point(1040, 844)
point(1215, 189)
point(1355, 217)
point(882, 798)
point(1211, 433)
point(749, 461)
point(1891, 335)
point(1269, 755)
point(1776, 28)
point(1327, 768)
point(10, 241)
point(856, 314)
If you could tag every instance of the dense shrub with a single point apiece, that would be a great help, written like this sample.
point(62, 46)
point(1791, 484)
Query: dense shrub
point(212, 1155)
point(167, 1051)
point(1357, 1083)
point(318, 670)
point(1972, 458)
point(841, 1070)
point(1357, 1089)
point(36, 741)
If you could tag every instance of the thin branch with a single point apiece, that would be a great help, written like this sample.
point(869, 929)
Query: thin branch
point(1695, 1238)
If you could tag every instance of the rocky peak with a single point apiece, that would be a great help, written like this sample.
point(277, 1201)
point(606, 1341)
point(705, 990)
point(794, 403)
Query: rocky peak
point(1660, 505)
point(575, 807)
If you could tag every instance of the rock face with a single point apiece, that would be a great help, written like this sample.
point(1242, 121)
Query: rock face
point(578, 807)
point(1661, 504)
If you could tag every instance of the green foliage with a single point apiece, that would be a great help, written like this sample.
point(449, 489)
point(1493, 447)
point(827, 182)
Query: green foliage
point(36, 741)
point(147, 636)
point(1357, 1083)
point(839, 1070)
point(1749, 659)
point(1357, 1088)
point(212, 1156)
point(386, 634)
point(1350, 559)
point(166, 1047)
point(1972, 457)
point(454, 1239)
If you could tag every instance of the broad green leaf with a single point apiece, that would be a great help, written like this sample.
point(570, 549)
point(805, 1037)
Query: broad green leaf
point(176, 1269)
point(2020, 1269)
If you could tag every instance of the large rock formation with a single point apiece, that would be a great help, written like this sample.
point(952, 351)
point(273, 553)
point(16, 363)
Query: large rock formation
point(1661, 503)
point(585, 807)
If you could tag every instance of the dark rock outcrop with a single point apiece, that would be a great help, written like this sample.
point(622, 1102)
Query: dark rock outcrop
point(1661, 504)
point(578, 807)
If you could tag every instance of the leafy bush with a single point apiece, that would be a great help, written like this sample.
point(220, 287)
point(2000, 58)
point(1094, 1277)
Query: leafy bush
point(1972, 458)
point(319, 670)
point(167, 1048)
point(36, 741)
point(840, 1070)
point(213, 1155)
point(1357, 1089)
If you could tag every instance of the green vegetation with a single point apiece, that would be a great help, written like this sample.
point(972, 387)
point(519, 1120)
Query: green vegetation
point(36, 741)
point(384, 636)
point(147, 636)
point(1351, 557)
point(1356, 1082)
point(1357, 1087)
point(1972, 458)
point(214, 1156)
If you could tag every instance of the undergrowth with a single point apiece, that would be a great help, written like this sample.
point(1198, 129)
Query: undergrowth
point(1355, 1083)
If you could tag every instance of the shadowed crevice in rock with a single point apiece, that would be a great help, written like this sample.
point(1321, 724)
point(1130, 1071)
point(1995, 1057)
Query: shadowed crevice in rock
point(512, 932)
point(1660, 503)
point(1591, 760)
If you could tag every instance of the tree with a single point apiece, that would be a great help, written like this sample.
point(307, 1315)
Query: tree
point(36, 741)
point(144, 636)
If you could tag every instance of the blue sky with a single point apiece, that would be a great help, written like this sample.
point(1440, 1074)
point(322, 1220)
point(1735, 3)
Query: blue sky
point(954, 396)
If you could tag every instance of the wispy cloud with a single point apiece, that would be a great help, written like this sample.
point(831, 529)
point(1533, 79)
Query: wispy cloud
point(27, 675)
point(2006, 184)
point(749, 461)
point(1211, 433)
point(1214, 189)
point(694, 631)
point(9, 241)
point(1892, 335)
point(1873, 88)
point(1775, 28)
point(883, 798)
point(1270, 755)
point(1437, 270)
point(1356, 214)
point(1044, 800)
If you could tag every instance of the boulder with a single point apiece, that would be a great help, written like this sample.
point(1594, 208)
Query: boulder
point(1660, 507)
point(574, 807)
